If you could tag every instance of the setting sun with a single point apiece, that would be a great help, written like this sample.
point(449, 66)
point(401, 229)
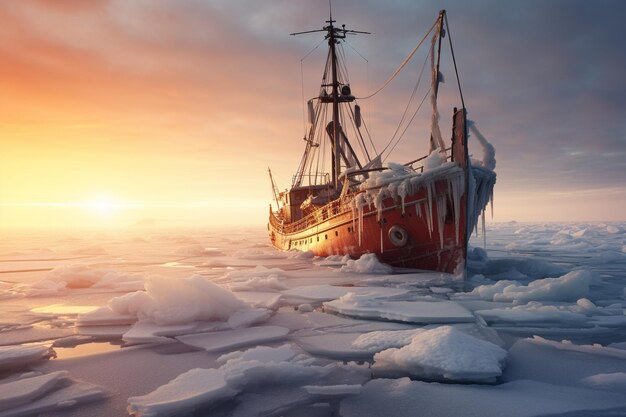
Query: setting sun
point(103, 206)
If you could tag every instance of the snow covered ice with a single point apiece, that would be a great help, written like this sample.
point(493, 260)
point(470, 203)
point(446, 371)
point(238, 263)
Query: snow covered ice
point(197, 323)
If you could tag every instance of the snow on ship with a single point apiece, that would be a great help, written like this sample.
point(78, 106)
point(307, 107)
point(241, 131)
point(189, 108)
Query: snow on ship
point(419, 214)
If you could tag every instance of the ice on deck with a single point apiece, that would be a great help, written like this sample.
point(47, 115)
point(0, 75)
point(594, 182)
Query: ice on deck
point(427, 312)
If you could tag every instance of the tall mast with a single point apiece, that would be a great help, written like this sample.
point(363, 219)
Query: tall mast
point(335, 95)
point(333, 34)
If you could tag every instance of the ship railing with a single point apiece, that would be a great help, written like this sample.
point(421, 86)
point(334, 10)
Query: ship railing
point(326, 212)
point(320, 178)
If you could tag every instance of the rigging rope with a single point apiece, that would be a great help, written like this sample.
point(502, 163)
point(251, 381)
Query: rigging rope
point(406, 109)
point(458, 81)
point(302, 83)
point(406, 61)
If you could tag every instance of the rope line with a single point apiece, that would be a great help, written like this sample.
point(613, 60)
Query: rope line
point(406, 61)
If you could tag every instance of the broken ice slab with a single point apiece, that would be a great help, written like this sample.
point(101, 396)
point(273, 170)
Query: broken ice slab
point(534, 314)
point(61, 399)
point(231, 339)
point(149, 332)
point(16, 356)
point(263, 299)
point(565, 363)
point(443, 353)
point(312, 293)
point(184, 393)
point(24, 390)
point(337, 346)
point(523, 398)
point(408, 311)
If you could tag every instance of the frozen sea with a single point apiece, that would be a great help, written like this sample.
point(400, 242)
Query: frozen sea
point(152, 322)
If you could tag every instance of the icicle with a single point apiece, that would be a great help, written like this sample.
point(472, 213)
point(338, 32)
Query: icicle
point(429, 212)
point(441, 217)
point(381, 239)
point(484, 232)
point(458, 188)
point(489, 152)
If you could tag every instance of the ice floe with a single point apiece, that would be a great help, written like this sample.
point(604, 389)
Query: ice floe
point(443, 353)
point(325, 292)
point(356, 305)
point(522, 398)
point(232, 339)
point(166, 301)
point(239, 372)
point(35, 394)
point(569, 287)
point(17, 356)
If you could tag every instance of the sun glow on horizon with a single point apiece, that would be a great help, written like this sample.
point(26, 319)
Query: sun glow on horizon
point(103, 206)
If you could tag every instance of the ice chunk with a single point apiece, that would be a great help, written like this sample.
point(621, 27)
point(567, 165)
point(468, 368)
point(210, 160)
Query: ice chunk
point(248, 317)
point(230, 339)
point(270, 282)
point(61, 399)
point(339, 346)
point(148, 332)
point(282, 353)
point(443, 353)
point(534, 314)
point(105, 316)
point(17, 355)
point(562, 363)
point(261, 299)
point(615, 381)
point(385, 339)
point(253, 369)
point(24, 390)
point(368, 263)
point(402, 397)
point(408, 311)
point(569, 287)
point(178, 301)
point(184, 393)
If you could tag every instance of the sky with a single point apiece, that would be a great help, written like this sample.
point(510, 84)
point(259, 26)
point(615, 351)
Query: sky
point(124, 112)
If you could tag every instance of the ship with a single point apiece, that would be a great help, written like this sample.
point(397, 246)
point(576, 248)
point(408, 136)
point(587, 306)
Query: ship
point(417, 214)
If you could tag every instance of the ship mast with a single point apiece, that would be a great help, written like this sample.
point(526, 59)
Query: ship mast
point(332, 41)
point(334, 35)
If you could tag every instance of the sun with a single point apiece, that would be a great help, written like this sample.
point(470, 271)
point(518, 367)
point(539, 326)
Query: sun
point(103, 206)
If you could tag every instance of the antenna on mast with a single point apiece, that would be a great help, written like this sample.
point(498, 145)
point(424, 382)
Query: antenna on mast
point(330, 8)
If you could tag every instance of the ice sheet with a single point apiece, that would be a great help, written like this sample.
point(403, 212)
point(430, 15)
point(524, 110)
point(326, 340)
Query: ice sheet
point(25, 390)
point(17, 356)
point(407, 311)
point(324, 292)
point(231, 339)
point(523, 398)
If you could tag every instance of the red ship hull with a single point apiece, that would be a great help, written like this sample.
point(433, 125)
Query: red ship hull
point(348, 233)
